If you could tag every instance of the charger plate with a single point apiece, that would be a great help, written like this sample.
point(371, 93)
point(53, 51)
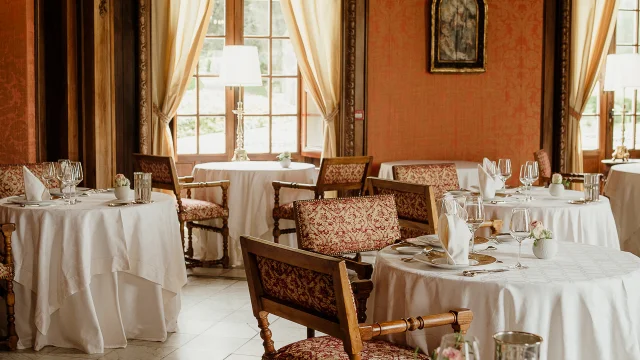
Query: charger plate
point(439, 260)
point(22, 200)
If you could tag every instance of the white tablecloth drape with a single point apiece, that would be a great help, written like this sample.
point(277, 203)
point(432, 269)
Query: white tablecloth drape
point(467, 170)
point(588, 223)
point(623, 189)
point(584, 302)
point(250, 199)
point(60, 250)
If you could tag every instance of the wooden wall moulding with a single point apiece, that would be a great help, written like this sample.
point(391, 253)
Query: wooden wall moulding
point(347, 126)
point(562, 87)
point(102, 8)
point(144, 73)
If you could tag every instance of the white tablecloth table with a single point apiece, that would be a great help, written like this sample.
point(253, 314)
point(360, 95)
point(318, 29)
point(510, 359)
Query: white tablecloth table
point(89, 276)
point(250, 199)
point(623, 190)
point(588, 223)
point(467, 170)
point(584, 302)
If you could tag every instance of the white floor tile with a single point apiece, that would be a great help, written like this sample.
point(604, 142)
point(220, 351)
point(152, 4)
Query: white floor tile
point(232, 330)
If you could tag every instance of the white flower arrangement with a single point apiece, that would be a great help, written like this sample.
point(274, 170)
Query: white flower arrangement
point(120, 180)
point(556, 179)
point(539, 232)
point(284, 155)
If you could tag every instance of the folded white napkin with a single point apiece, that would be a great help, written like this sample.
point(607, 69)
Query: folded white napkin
point(454, 234)
point(490, 166)
point(489, 183)
point(34, 189)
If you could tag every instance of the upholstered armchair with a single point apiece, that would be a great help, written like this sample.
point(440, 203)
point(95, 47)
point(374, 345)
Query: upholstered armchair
point(6, 274)
point(342, 226)
point(12, 178)
point(343, 173)
point(441, 177)
point(313, 290)
point(190, 211)
point(544, 167)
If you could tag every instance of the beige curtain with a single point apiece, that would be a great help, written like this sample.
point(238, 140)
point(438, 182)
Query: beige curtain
point(592, 26)
point(178, 31)
point(314, 28)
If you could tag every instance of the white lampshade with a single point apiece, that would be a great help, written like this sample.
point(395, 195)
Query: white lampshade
point(622, 71)
point(240, 66)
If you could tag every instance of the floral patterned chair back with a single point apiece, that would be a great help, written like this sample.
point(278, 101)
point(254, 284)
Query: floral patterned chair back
point(416, 205)
point(12, 178)
point(346, 225)
point(163, 171)
point(343, 173)
point(441, 177)
point(544, 163)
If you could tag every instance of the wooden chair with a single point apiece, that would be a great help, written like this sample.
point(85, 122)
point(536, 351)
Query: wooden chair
point(544, 167)
point(416, 206)
point(12, 178)
point(441, 177)
point(7, 274)
point(164, 176)
point(342, 226)
point(343, 173)
point(313, 290)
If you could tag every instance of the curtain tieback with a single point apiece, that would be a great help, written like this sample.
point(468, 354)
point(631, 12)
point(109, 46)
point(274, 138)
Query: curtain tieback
point(331, 116)
point(573, 112)
point(162, 116)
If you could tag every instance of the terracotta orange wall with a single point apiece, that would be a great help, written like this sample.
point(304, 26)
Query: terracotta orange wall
point(17, 82)
point(413, 114)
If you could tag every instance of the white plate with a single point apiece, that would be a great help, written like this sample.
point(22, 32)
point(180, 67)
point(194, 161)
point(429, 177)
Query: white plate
point(21, 199)
point(408, 249)
point(431, 240)
point(459, 192)
point(442, 262)
point(121, 202)
point(79, 191)
point(505, 238)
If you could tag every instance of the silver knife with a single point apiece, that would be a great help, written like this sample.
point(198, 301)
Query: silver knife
point(472, 273)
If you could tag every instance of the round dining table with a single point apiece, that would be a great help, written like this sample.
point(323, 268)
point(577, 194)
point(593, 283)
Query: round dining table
point(467, 170)
point(90, 276)
point(623, 190)
point(583, 302)
point(587, 223)
point(250, 200)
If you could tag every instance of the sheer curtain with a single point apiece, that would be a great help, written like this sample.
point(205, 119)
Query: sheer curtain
point(314, 28)
point(592, 26)
point(178, 31)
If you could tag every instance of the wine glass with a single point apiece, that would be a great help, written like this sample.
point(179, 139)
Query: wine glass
point(520, 229)
point(48, 174)
point(78, 176)
point(534, 174)
point(525, 179)
point(458, 346)
point(504, 169)
point(65, 175)
point(475, 215)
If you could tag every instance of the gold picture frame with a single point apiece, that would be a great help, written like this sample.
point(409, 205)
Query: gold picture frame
point(458, 36)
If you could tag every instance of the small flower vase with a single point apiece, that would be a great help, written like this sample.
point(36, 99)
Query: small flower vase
point(285, 162)
point(556, 190)
point(122, 193)
point(545, 248)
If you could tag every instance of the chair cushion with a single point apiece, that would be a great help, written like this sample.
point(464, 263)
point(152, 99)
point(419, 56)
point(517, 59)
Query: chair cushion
point(6, 272)
point(194, 210)
point(284, 211)
point(442, 177)
point(544, 164)
point(327, 347)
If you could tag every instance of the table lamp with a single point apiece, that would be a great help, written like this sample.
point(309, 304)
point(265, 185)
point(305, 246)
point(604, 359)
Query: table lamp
point(241, 68)
point(622, 72)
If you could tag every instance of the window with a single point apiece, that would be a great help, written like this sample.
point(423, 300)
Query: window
point(205, 124)
point(590, 121)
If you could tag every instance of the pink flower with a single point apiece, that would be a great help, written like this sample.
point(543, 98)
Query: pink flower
point(451, 354)
point(536, 223)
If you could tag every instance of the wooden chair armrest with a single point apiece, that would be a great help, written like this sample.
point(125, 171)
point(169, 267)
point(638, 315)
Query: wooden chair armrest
point(7, 230)
point(186, 179)
point(364, 270)
point(209, 184)
point(285, 184)
point(459, 319)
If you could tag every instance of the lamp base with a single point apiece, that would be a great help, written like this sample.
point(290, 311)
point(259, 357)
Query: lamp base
point(621, 153)
point(240, 155)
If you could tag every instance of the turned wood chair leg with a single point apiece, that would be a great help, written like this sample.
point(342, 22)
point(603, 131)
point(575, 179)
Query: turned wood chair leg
point(276, 230)
point(11, 318)
point(182, 236)
point(225, 243)
point(190, 244)
point(265, 334)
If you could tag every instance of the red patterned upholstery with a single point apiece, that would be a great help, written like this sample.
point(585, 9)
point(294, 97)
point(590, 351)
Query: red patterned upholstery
point(6, 272)
point(344, 173)
point(347, 225)
point(442, 177)
point(159, 168)
point(195, 210)
point(409, 232)
point(327, 347)
point(544, 164)
point(284, 211)
point(12, 178)
point(306, 288)
point(410, 206)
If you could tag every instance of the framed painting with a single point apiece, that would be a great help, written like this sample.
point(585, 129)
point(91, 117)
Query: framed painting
point(458, 36)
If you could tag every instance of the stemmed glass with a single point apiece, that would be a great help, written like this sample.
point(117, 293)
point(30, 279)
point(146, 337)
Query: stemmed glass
point(475, 216)
point(520, 229)
point(459, 346)
point(78, 176)
point(504, 169)
point(49, 174)
point(65, 177)
point(526, 179)
point(535, 174)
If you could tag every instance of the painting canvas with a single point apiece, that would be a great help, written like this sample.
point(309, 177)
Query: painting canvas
point(458, 35)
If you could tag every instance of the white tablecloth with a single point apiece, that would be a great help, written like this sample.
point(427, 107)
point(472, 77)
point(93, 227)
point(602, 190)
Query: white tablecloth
point(79, 267)
point(467, 170)
point(588, 224)
point(584, 302)
point(250, 200)
point(623, 189)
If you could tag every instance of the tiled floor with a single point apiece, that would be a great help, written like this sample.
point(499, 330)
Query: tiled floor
point(216, 322)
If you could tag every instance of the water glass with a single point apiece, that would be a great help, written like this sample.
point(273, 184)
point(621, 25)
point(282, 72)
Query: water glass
point(516, 345)
point(520, 229)
point(504, 169)
point(525, 179)
point(48, 174)
point(475, 215)
point(591, 187)
point(142, 187)
point(457, 346)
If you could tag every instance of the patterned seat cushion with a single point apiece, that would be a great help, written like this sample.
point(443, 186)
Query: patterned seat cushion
point(327, 347)
point(6, 272)
point(442, 177)
point(544, 164)
point(194, 210)
point(408, 233)
point(284, 211)
point(344, 173)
